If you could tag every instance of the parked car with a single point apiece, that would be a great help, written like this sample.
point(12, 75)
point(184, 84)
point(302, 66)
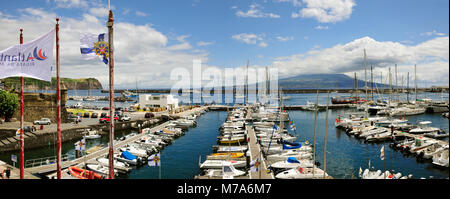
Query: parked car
point(124, 118)
point(94, 115)
point(86, 115)
point(102, 115)
point(74, 118)
point(105, 108)
point(42, 121)
point(107, 119)
point(149, 115)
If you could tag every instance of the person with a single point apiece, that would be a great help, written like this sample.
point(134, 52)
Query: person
point(8, 172)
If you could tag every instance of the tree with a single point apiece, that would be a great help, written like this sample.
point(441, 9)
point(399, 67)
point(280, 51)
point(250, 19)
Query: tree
point(8, 104)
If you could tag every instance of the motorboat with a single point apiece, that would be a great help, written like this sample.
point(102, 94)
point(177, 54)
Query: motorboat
point(135, 151)
point(379, 137)
point(275, 150)
point(227, 171)
point(83, 173)
point(441, 159)
point(129, 158)
point(437, 134)
point(91, 134)
point(291, 163)
point(218, 164)
point(227, 149)
point(389, 122)
point(300, 155)
point(429, 152)
point(421, 143)
point(424, 128)
point(372, 132)
point(102, 170)
point(119, 166)
point(302, 173)
point(372, 174)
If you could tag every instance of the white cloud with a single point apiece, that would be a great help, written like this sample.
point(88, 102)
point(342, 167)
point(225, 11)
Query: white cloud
point(71, 3)
point(141, 14)
point(204, 43)
point(295, 3)
point(255, 12)
point(141, 52)
point(431, 57)
point(319, 27)
point(250, 38)
point(326, 11)
point(283, 39)
point(434, 32)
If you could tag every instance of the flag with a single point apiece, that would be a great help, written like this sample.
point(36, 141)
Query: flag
point(293, 127)
point(154, 160)
point(360, 171)
point(275, 127)
point(382, 153)
point(94, 46)
point(254, 165)
point(32, 59)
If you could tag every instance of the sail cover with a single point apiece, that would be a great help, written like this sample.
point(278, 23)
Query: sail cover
point(127, 155)
point(292, 160)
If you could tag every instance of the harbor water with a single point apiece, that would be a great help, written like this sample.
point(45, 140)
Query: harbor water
point(345, 154)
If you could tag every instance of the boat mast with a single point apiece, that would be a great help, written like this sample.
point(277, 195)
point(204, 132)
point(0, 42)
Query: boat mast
point(390, 86)
point(396, 85)
point(415, 82)
point(365, 74)
point(371, 81)
point(315, 128)
point(407, 88)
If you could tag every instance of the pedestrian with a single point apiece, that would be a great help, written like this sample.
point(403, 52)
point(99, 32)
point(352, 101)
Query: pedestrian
point(8, 172)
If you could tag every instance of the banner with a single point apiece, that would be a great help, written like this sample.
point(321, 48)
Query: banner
point(32, 59)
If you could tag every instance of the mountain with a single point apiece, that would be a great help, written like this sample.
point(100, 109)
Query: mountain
point(69, 83)
point(323, 81)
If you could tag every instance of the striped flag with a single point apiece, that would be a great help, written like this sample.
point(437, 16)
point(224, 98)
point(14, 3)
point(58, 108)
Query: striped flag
point(382, 153)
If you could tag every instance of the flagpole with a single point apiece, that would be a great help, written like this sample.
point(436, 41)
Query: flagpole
point(22, 158)
point(58, 104)
point(111, 94)
point(315, 127)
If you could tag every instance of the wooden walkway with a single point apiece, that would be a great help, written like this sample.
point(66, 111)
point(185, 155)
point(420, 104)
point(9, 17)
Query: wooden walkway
point(255, 152)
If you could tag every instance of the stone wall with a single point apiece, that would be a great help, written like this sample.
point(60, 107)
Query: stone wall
point(42, 105)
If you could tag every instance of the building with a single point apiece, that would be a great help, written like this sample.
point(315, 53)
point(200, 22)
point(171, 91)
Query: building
point(158, 101)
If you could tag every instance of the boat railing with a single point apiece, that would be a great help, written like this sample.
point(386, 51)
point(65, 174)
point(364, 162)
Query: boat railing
point(46, 160)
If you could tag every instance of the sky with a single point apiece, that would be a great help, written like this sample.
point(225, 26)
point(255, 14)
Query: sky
point(154, 38)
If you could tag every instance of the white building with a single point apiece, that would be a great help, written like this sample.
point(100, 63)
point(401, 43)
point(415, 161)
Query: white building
point(157, 101)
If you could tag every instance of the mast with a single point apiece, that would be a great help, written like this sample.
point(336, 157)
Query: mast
point(371, 81)
point(415, 83)
point(396, 85)
point(325, 149)
point(390, 86)
point(58, 105)
point(315, 127)
point(22, 157)
point(407, 88)
point(365, 74)
point(110, 24)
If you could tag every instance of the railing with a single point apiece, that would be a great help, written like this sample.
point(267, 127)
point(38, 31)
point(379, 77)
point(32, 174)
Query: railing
point(46, 160)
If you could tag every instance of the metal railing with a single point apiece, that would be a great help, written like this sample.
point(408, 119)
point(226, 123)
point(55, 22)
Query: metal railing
point(46, 160)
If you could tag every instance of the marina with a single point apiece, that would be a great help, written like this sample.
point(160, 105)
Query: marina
point(368, 151)
point(333, 103)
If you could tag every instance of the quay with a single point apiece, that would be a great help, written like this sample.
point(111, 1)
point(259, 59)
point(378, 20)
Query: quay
point(285, 107)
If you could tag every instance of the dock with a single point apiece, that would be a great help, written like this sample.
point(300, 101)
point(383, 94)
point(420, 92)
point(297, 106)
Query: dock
point(50, 168)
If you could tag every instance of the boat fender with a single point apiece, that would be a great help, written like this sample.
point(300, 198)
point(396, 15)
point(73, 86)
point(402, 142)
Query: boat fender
point(317, 163)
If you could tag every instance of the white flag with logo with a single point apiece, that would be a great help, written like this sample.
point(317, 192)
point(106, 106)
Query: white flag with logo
point(32, 59)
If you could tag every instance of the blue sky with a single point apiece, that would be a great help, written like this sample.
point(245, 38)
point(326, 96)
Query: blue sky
point(291, 34)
